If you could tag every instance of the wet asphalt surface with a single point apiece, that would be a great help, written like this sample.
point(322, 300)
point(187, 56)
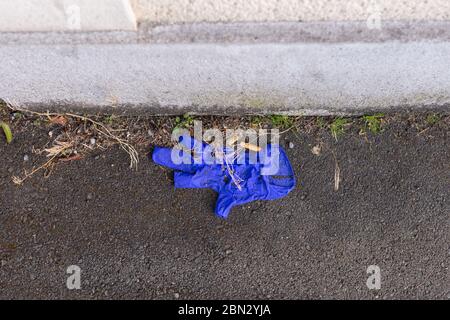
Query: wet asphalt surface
point(134, 236)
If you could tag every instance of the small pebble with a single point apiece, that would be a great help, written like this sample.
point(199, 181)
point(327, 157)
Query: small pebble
point(10, 169)
point(228, 252)
point(316, 150)
point(176, 295)
point(50, 134)
point(90, 196)
point(92, 141)
point(150, 133)
point(291, 145)
point(26, 158)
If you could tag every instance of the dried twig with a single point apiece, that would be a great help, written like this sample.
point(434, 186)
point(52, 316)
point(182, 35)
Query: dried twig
point(58, 148)
point(128, 148)
point(337, 173)
point(61, 149)
point(19, 181)
point(100, 127)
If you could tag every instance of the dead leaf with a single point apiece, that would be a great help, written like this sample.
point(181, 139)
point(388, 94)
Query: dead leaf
point(61, 120)
point(57, 148)
point(316, 150)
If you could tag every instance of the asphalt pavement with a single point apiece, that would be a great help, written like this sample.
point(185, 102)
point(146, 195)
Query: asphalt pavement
point(134, 236)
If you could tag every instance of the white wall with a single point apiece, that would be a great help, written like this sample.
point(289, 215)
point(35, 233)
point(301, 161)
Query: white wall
point(66, 15)
point(174, 11)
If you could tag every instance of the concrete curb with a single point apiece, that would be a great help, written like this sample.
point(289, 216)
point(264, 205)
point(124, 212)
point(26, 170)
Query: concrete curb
point(173, 70)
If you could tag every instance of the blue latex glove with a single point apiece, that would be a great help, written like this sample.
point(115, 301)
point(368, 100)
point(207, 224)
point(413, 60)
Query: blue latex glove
point(253, 185)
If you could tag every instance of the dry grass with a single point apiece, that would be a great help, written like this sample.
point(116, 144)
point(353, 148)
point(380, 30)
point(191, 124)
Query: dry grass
point(71, 134)
point(74, 141)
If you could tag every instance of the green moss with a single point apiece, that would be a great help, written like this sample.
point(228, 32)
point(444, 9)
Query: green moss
point(373, 123)
point(281, 121)
point(257, 121)
point(255, 103)
point(320, 122)
point(186, 121)
point(109, 120)
point(432, 119)
point(337, 127)
point(276, 121)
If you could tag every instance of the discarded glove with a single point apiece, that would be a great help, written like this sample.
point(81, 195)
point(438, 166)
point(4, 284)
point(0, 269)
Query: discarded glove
point(253, 183)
